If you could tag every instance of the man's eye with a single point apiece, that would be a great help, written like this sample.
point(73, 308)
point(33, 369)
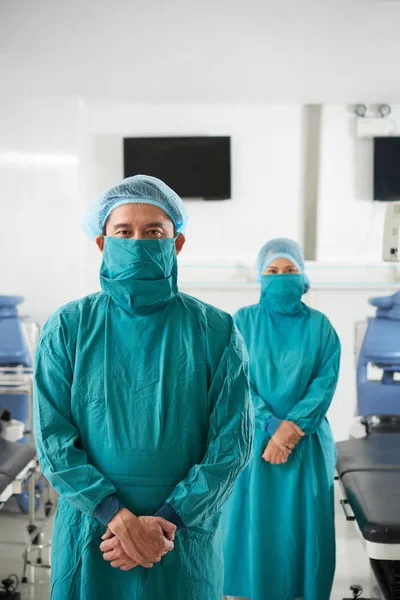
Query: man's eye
point(124, 233)
point(155, 232)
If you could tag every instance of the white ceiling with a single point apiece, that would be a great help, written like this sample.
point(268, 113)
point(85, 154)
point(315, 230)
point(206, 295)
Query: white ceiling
point(195, 51)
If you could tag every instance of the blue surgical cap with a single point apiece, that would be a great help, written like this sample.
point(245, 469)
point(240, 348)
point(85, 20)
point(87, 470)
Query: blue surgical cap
point(139, 189)
point(282, 248)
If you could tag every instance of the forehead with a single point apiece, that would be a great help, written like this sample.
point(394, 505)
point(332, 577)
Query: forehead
point(281, 263)
point(138, 214)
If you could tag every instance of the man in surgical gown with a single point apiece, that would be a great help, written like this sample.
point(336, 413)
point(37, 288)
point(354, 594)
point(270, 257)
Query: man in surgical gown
point(278, 526)
point(143, 416)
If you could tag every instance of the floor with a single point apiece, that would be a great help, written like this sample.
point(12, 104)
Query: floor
point(352, 564)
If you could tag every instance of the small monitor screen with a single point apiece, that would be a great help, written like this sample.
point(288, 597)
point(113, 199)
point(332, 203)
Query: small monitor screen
point(387, 168)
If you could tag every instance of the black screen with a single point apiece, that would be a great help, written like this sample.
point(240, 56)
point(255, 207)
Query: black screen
point(195, 167)
point(387, 168)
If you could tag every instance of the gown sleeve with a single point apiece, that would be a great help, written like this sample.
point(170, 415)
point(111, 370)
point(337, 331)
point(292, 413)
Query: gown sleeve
point(263, 415)
point(309, 412)
point(63, 463)
point(209, 484)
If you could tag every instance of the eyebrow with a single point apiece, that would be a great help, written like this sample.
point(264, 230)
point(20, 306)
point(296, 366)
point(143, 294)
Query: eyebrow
point(118, 225)
point(288, 267)
point(157, 224)
point(129, 225)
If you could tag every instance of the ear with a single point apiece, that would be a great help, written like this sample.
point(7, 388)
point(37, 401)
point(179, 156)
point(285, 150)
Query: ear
point(100, 242)
point(179, 243)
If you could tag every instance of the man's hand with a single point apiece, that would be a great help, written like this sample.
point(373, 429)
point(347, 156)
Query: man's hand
point(115, 554)
point(287, 435)
point(274, 454)
point(143, 539)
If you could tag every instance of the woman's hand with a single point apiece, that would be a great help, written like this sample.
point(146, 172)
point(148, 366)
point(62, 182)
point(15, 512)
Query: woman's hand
point(276, 455)
point(288, 435)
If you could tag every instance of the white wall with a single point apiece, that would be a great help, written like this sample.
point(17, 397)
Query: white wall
point(41, 248)
point(350, 224)
point(266, 170)
point(267, 177)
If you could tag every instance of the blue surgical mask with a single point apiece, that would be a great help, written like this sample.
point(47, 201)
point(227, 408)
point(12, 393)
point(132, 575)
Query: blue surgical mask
point(140, 275)
point(282, 293)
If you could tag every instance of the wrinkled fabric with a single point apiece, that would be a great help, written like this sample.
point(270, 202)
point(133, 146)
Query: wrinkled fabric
point(282, 248)
point(139, 189)
point(142, 392)
point(278, 526)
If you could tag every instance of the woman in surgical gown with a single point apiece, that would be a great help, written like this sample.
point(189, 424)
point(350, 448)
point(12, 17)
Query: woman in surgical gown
point(278, 526)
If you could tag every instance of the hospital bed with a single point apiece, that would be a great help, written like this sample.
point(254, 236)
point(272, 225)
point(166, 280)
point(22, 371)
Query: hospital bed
point(18, 467)
point(18, 463)
point(368, 469)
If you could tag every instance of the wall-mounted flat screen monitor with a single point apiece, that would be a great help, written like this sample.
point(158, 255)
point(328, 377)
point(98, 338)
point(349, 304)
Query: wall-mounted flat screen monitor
point(195, 167)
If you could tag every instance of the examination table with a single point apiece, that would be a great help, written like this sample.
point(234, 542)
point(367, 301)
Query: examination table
point(16, 460)
point(368, 468)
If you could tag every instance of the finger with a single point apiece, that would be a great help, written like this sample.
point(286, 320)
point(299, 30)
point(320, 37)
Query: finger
point(167, 527)
point(108, 534)
point(157, 560)
point(124, 563)
point(110, 544)
point(298, 430)
point(129, 566)
point(168, 545)
point(109, 556)
point(151, 559)
point(118, 563)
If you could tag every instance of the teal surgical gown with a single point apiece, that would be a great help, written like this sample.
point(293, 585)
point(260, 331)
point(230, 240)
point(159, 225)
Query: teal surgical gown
point(278, 526)
point(141, 391)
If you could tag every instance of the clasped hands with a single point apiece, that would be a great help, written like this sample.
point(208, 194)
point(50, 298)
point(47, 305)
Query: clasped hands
point(282, 443)
point(131, 541)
